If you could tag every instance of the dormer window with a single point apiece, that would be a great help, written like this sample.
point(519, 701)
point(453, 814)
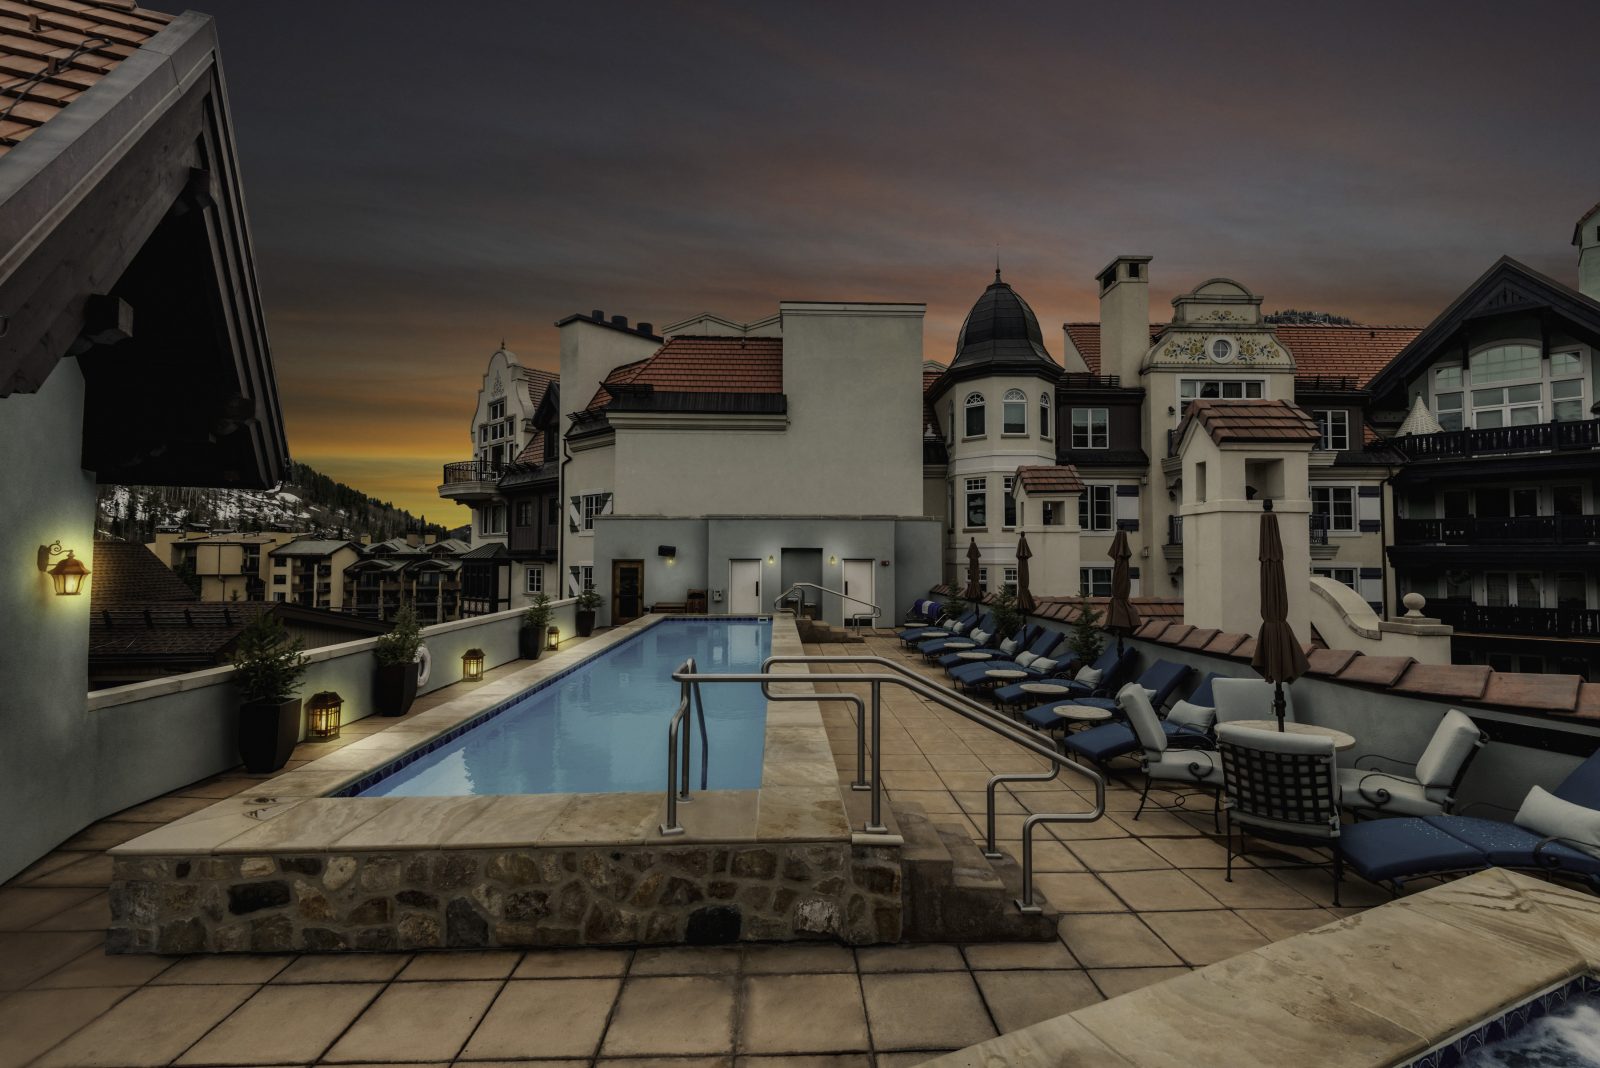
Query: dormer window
point(1014, 412)
point(975, 420)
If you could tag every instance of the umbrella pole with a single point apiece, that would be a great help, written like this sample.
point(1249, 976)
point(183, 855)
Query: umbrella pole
point(1277, 704)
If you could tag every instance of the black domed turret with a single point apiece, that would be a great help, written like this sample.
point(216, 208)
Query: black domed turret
point(1001, 333)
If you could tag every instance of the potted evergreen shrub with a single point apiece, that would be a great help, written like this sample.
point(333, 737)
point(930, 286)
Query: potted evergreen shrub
point(1087, 639)
point(395, 685)
point(269, 666)
point(534, 623)
point(588, 602)
point(1006, 617)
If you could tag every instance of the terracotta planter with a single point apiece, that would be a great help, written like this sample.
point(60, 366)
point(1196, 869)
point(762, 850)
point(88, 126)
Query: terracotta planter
point(394, 687)
point(585, 623)
point(268, 733)
point(530, 642)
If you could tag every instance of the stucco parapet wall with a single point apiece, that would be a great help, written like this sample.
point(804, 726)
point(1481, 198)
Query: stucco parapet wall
point(199, 680)
point(846, 307)
point(1369, 991)
point(1566, 696)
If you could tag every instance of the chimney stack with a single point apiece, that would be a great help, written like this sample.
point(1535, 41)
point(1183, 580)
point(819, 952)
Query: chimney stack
point(1586, 235)
point(1124, 316)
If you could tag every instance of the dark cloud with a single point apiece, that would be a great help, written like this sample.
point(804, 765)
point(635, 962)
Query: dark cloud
point(426, 179)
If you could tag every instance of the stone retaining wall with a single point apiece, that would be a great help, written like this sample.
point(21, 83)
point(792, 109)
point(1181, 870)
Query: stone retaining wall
point(432, 899)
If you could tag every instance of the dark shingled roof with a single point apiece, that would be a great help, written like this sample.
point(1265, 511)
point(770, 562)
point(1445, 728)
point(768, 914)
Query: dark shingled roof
point(126, 572)
point(1056, 479)
point(1001, 332)
point(1268, 421)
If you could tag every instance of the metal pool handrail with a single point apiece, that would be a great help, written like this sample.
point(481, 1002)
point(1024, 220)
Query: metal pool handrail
point(802, 586)
point(899, 675)
point(688, 692)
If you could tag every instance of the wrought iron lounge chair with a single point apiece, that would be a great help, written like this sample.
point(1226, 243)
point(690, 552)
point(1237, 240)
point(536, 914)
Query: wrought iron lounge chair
point(1281, 788)
point(1197, 769)
point(1432, 790)
point(1111, 740)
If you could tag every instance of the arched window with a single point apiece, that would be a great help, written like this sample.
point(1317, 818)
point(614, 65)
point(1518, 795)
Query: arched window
point(1044, 416)
point(1014, 412)
point(975, 415)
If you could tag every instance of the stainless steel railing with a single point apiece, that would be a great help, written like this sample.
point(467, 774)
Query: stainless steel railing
point(688, 693)
point(855, 620)
point(896, 675)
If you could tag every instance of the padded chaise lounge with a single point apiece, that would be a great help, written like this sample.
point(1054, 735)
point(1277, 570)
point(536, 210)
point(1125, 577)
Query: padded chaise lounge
point(946, 625)
point(1111, 669)
point(1160, 681)
point(1040, 646)
point(1187, 725)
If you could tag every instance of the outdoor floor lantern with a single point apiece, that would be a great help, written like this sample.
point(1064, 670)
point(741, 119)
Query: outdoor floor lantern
point(552, 637)
point(322, 716)
point(472, 665)
point(67, 575)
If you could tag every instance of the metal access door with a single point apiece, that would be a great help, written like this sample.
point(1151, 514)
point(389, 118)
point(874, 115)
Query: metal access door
point(744, 587)
point(858, 589)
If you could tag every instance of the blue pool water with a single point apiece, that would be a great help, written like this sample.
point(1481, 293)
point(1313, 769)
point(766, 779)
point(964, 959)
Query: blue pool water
point(1558, 1029)
point(602, 727)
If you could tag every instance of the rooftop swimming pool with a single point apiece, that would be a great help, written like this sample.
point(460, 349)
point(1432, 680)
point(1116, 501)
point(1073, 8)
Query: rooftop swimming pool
point(602, 726)
point(1558, 1029)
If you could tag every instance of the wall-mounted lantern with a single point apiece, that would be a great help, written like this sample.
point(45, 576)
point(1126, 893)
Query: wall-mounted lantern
point(322, 716)
point(67, 575)
point(472, 665)
point(832, 560)
point(552, 637)
point(771, 560)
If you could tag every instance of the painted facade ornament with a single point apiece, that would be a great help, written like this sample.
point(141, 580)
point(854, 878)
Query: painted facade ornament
point(499, 386)
point(1246, 351)
point(1222, 315)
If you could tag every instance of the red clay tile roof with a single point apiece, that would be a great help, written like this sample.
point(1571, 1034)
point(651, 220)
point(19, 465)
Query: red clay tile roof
point(687, 364)
point(51, 52)
point(1057, 479)
point(533, 451)
point(1319, 350)
point(125, 572)
point(1272, 421)
point(539, 381)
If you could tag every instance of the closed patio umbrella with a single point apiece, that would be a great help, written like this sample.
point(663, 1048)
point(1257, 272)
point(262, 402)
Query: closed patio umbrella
point(973, 595)
point(1025, 603)
point(1279, 656)
point(1121, 617)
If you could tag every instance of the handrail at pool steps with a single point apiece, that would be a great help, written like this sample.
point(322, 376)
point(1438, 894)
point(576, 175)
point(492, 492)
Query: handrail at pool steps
point(688, 695)
point(900, 675)
point(854, 621)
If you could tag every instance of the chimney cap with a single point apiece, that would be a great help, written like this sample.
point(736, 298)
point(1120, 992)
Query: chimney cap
point(620, 321)
point(598, 316)
point(645, 328)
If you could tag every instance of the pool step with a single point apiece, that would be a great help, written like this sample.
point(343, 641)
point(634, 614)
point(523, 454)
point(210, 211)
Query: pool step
point(814, 630)
point(953, 893)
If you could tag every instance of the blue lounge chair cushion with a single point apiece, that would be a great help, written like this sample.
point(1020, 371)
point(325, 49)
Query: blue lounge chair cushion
point(1111, 666)
point(1509, 846)
point(1401, 848)
point(1111, 740)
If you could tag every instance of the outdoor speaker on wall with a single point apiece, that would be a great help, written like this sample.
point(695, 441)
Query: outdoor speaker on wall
point(666, 550)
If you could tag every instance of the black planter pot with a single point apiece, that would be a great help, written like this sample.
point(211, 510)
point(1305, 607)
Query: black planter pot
point(585, 623)
point(530, 642)
point(268, 732)
point(394, 687)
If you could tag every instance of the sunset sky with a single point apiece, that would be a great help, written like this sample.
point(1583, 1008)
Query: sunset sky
point(424, 179)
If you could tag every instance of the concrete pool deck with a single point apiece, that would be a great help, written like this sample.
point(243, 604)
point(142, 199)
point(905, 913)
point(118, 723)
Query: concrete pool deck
point(1141, 901)
point(283, 866)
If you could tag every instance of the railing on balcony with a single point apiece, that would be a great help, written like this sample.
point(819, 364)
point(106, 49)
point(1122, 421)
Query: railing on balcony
point(1082, 380)
point(1535, 437)
point(1515, 619)
point(1174, 530)
point(1317, 522)
point(472, 471)
point(1503, 530)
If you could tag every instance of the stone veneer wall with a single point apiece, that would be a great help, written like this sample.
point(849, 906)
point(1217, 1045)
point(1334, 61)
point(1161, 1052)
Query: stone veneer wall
point(595, 895)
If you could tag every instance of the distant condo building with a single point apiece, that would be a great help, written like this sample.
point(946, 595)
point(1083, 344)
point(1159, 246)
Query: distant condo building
point(713, 466)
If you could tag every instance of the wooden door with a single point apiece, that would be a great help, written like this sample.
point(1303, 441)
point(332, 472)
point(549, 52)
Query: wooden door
point(627, 591)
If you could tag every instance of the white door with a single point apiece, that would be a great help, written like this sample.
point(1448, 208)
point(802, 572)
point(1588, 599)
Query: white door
point(858, 598)
point(744, 587)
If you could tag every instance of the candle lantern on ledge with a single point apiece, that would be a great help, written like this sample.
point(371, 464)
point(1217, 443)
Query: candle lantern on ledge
point(323, 713)
point(472, 665)
point(552, 637)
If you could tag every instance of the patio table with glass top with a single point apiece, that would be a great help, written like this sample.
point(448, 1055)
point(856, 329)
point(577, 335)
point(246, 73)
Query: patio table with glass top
point(1341, 740)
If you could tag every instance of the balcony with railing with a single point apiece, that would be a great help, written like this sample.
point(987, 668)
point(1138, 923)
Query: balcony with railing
point(1500, 530)
point(1500, 441)
point(471, 480)
point(1469, 618)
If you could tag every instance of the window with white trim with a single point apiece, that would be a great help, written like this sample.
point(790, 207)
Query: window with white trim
point(1011, 503)
point(1014, 412)
point(586, 577)
point(1507, 589)
point(1345, 576)
point(983, 580)
point(1094, 581)
point(1334, 425)
point(974, 407)
point(1337, 503)
point(1566, 386)
point(1190, 389)
point(593, 504)
point(977, 502)
point(1095, 508)
point(1509, 384)
point(1044, 416)
point(1091, 428)
point(535, 580)
point(1447, 385)
point(492, 519)
point(497, 409)
point(1009, 578)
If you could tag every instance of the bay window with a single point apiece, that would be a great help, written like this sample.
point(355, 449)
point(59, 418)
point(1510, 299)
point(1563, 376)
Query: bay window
point(977, 502)
point(1014, 412)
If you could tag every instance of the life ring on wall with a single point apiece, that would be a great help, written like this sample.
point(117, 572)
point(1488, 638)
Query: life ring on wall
point(424, 665)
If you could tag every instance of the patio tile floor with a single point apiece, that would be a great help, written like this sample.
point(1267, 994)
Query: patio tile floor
point(1141, 901)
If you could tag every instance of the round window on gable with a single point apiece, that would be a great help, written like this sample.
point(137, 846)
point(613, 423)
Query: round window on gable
point(1221, 350)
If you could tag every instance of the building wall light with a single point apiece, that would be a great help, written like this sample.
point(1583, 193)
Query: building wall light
point(472, 665)
point(67, 575)
point(323, 713)
point(832, 560)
